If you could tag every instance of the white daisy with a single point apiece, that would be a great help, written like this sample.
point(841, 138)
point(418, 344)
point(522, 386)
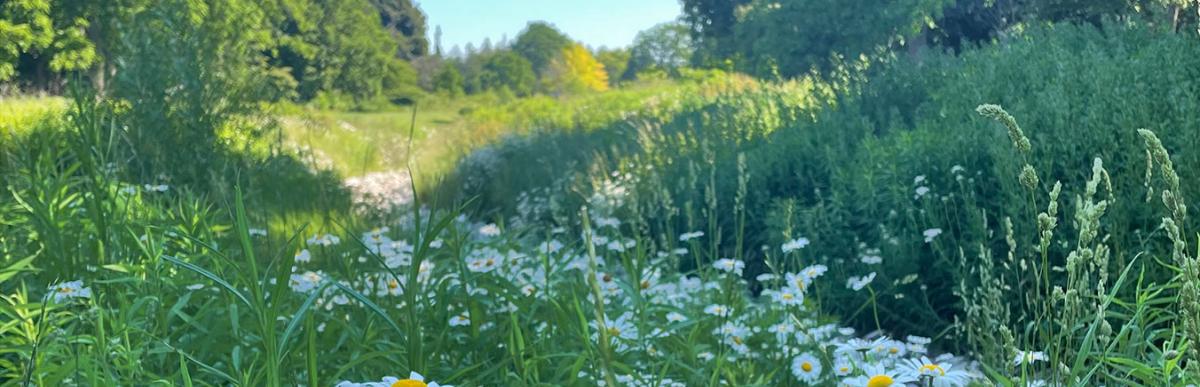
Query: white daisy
point(793, 245)
point(807, 368)
point(717, 310)
point(941, 374)
point(69, 290)
point(730, 265)
point(857, 283)
point(460, 320)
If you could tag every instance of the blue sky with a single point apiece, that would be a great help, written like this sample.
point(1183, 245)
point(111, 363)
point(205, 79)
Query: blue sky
point(610, 23)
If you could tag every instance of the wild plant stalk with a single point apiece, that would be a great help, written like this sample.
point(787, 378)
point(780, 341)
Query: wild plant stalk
point(598, 301)
point(1189, 265)
point(739, 207)
point(1072, 324)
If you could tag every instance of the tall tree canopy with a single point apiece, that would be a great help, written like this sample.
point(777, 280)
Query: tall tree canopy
point(792, 37)
point(576, 70)
point(540, 43)
point(46, 34)
point(667, 46)
point(507, 70)
point(350, 47)
point(406, 23)
point(712, 23)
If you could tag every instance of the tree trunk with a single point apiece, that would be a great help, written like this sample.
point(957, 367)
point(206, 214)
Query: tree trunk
point(1175, 10)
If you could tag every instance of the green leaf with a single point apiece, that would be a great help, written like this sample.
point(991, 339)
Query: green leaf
point(210, 275)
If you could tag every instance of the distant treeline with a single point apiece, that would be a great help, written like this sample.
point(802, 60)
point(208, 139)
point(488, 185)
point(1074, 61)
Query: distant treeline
point(786, 38)
point(358, 48)
point(370, 50)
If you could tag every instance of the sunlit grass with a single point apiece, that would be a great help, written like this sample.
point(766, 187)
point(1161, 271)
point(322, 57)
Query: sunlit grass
point(18, 114)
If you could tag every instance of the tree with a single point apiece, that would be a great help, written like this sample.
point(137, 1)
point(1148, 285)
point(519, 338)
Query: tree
point(406, 23)
point(577, 70)
point(337, 46)
point(667, 47)
point(506, 69)
point(712, 23)
point(448, 80)
point(43, 32)
point(540, 43)
point(790, 38)
point(186, 70)
point(614, 61)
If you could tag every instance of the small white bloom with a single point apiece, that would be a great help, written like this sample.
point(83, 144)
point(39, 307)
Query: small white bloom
point(921, 191)
point(730, 265)
point(788, 296)
point(793, 245)
point(931, 233)
point(807, 368)
point(717, 310)
point(857, 283)
point(489, 230)
point(303, 256)
point(69, 290)
point(1028, 358)
point(460, 320)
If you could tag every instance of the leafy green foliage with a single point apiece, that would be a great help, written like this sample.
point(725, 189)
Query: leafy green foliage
point(712, 23)
point(352, 48)
point(449, 80)
point(41, 28)
point(406, 23)
point(790, 38)
point(615, 62)
point(508, 71)
point(540, 43)
point(664, 47)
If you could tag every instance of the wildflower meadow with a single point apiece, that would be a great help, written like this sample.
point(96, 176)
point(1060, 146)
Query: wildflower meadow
point(865, 193)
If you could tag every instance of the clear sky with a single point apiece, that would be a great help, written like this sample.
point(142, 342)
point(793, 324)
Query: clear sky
point(610, 23)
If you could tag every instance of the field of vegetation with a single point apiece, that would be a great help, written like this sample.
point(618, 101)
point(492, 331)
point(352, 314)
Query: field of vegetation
point(308, 193)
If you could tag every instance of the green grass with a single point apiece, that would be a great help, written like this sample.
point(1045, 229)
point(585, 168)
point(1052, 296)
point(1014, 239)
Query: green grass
point(19, 114)
point(355, 143)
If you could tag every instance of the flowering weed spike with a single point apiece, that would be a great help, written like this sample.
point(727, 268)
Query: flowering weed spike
point(1015, 133)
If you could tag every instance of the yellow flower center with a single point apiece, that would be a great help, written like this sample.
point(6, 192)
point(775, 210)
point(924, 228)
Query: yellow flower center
point(392, 284)
point(409, 383)
point(894, 350)
point(66, 290)
point(878, 381)
point(806, 366)
point(737, 340)
point(931, 368)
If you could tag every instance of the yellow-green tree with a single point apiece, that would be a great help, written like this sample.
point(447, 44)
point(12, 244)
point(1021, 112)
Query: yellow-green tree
point(576, 70)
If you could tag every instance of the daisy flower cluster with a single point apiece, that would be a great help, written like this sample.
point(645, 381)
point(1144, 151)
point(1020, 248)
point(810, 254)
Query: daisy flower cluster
point(667, 323)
